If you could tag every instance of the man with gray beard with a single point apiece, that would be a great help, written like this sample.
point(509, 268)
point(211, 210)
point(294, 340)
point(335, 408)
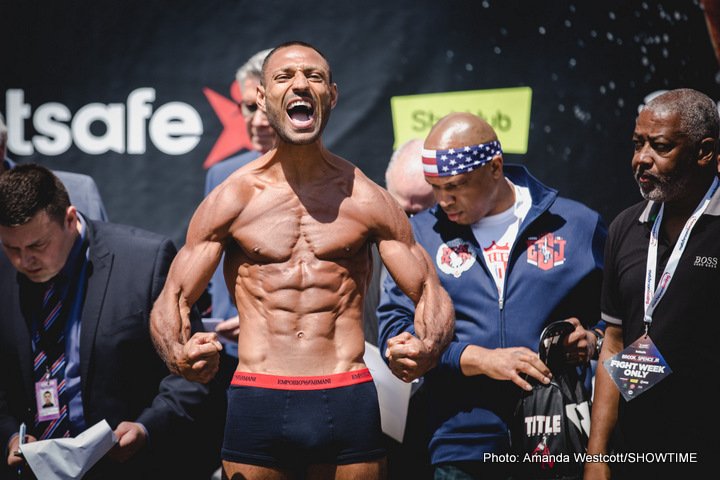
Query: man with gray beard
point(662, 311)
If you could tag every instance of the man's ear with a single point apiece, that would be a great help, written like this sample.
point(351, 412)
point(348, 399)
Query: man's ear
point(334, 95)
point(260, 98)
point(707, 152)
point(496, 166)
point(71, 218)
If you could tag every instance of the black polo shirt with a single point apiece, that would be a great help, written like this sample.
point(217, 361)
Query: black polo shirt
point(681, 413)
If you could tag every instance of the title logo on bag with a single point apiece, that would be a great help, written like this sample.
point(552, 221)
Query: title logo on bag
point(543, 425)
point(455, 257)
point(546, 251)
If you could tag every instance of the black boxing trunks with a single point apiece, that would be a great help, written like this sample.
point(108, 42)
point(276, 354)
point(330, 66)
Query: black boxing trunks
point(292, 422)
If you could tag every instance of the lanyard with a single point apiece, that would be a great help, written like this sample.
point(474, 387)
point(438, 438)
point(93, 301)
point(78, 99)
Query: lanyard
point(652, 296)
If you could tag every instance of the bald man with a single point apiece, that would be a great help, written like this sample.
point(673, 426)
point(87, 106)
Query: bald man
point(404, 178)
point(514, 257)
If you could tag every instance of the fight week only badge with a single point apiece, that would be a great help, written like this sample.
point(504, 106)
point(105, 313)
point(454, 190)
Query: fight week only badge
point(455, 257)
point(638, 368)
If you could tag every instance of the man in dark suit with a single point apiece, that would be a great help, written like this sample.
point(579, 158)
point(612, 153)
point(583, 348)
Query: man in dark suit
point(102, 280)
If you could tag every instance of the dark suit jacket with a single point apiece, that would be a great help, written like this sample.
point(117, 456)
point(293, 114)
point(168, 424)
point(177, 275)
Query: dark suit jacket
point(122, 377)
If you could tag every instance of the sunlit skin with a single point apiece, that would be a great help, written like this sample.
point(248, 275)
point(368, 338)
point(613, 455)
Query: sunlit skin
point(668, 168)
point(262, 139)
point(468, 197)
point(39, 248)
point(297, 76)
point(296, 226)
point(405, 180)
point(412, 203)
point(661, 160)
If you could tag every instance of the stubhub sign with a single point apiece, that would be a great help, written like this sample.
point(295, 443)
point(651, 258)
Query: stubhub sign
point(174, 128)
point(506, 109)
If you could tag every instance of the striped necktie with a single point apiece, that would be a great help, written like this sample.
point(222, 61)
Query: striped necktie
point(49, 361)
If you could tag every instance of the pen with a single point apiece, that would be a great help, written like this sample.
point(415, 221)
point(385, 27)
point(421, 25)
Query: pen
point(22, 433)
point(21, 440)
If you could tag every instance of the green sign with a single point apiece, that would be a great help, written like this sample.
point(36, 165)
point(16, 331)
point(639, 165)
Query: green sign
point(506, 109)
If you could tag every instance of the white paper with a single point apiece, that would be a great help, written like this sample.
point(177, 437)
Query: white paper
point(69, 458)
point(393, 394)
point(210, 324)
point(230, 346)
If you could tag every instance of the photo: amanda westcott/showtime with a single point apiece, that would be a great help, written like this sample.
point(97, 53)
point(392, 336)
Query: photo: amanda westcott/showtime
point(624, 457)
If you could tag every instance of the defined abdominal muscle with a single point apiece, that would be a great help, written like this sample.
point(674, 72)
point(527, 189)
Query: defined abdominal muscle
point(282, 342)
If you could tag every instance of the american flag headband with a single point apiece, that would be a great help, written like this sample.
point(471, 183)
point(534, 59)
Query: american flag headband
point(446, 163)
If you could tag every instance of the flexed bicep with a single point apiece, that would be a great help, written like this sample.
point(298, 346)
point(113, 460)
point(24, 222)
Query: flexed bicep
point(411, 268)
point(189, 275)
point(407, 264)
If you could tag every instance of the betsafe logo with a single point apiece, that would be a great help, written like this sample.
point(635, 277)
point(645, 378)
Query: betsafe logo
point(174, 128)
